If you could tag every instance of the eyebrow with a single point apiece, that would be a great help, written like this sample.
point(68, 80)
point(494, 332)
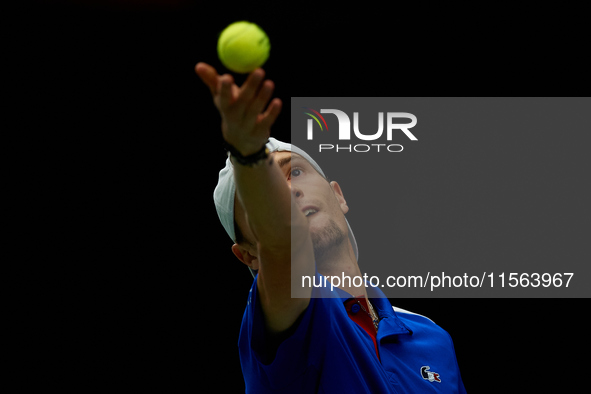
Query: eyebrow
point(284, 161)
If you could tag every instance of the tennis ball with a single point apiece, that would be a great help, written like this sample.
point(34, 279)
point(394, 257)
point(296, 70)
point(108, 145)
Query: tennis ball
point(243, 46)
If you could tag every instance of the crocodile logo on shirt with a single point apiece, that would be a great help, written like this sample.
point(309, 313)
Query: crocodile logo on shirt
point(428, 375)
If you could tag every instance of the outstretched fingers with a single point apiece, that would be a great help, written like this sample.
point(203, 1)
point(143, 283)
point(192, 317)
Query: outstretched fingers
point(250, 87)
point(262, 98)
point(267, 118)
point(242, 108)
point(226, 92)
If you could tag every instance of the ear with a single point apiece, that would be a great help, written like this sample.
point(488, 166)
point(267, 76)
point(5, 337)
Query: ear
point(339, 196)
point(245, 256)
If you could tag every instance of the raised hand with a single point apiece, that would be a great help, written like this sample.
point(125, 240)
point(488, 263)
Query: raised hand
point(246, 118)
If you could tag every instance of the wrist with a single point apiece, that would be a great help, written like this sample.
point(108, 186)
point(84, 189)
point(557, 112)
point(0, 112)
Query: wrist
point(251, 159)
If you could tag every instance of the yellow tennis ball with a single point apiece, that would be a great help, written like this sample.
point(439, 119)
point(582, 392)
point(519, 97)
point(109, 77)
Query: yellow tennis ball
point(243, 46)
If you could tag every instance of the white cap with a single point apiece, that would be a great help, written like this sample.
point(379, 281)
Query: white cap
point(224, 192)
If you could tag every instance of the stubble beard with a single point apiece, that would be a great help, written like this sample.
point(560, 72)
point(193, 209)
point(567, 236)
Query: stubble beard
point(326, 239)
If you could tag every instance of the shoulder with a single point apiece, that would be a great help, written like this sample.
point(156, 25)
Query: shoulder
point(422, 326)
point(272, 364)
point(323, 308)
point(402, 312)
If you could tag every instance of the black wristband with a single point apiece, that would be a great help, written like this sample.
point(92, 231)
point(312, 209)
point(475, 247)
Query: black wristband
point(249, 160)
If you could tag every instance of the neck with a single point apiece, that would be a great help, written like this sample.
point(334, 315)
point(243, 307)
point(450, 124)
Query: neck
point(342, 263)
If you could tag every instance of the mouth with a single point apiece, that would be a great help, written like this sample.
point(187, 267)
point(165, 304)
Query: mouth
point(309, 211)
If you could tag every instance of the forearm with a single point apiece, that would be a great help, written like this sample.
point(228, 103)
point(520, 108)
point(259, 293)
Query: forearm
point(266, 198)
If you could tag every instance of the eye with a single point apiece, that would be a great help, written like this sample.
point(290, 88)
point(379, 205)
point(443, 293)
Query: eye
point(295, 172)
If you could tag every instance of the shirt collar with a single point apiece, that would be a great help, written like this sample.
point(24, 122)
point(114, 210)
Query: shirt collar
point(390, 323)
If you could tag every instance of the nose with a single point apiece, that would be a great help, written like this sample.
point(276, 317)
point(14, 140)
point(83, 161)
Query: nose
point(296, 191)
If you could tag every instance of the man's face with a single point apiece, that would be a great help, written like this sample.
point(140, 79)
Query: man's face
point(322, 203)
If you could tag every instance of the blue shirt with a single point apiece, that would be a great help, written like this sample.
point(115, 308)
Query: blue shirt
point(327, 352)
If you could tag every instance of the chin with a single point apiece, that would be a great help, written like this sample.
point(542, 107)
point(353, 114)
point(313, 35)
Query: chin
point(326, 237)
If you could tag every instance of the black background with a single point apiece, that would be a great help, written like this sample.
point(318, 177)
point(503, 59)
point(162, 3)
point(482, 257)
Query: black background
point(136, 147)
